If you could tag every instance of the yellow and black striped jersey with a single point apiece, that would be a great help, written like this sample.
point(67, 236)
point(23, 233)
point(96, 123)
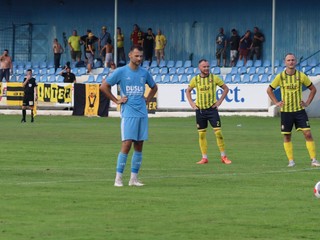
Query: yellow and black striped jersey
point(206, 89)
point(291, 89)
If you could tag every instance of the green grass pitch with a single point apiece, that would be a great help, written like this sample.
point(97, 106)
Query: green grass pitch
point(57, 175)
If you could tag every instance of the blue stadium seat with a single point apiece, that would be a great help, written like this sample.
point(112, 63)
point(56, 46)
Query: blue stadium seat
point(44, 78)
point(234, 70)
point(172, 70)
point(146, 64)
point(277, 63)
point(175, 78)
point(216, 70)
point(237, 78)
point(264, 78)
point(316, 71)
point(155, 70)
point(187, 64)
point(20, 78)
point(197, 71)
point(266, 63)
point(261, 70)
point(240, 63)
point(245, 78)
point(162, 64)
point(13, 78)
point(91, 79)
point(303, 63)
point(158, 78)
point(179, 64)
point(154, 64)
point(312, 62)
point(228, 78)
point(35, 71)
point(189, 70)
point(242, 70)
point(81, 71)
point(181, 70)
point(163, 70)
point(279, 69)
point(106, 71)
point(213, 63)
point(52, 78)
point(166, 79)
point(170, 64)
point(184, 78)
point(50, 64)
point(60, 79)
point(255, 78)
point(249, 63)
point(257, 63)
point(252, 70)
point(99, 78)
point(51, 71)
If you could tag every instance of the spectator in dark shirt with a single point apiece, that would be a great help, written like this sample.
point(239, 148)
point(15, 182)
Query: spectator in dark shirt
point(148, 45)
point(69, 77)
point(234, 47)
point(256, 46)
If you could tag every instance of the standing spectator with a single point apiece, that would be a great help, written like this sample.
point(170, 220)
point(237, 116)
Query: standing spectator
point(161, 42)
point(292, 107)
point(245, 43)
point(5, 65)
point(234, 47)
point(136, 36)
point(30, 95)
point(102, 41)
point(221, 47)
point(90, 50)
point(120, 47)
point(68, 76)
point(148, 45)
point(134, 115)
point(57, 51)
point(108, 49)
point(83, 40)
point(256, 46)
point(206, 107)
point(75, 46)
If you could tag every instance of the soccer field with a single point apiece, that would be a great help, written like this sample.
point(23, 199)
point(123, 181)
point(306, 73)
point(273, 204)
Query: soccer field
point(57, 175)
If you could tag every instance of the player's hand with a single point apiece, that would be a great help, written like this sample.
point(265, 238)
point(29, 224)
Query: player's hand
point(303, 104)
point(194, 106)
point(123, 99)
point(279, 104)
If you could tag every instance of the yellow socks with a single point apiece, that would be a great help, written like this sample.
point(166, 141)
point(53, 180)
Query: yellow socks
point(203, 142)
point(220, 140)
point(288, 149)
point(311, 149)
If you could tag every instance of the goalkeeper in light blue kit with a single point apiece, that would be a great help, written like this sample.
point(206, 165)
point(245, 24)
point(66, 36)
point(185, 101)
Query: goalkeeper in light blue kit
point(134, 114)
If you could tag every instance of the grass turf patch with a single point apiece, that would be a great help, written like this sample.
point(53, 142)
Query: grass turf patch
point(57, 174)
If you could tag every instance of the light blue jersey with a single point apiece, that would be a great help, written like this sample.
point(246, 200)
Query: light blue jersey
point(132, 84)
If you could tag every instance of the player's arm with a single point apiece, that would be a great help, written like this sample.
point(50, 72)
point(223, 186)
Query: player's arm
point(223, 96)
point(151, 93)
point(106, 90)
point(312, 93)
point(188, 94)
point(273, 97)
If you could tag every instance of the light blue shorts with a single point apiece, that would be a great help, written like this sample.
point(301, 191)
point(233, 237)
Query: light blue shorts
point(134, 128)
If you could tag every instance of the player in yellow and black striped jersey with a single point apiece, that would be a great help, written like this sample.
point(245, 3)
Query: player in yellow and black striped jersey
point(206, 107)
point(292, 106)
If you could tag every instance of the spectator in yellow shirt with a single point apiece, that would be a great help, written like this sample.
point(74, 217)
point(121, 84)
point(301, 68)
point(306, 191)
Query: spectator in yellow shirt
point(161, 42)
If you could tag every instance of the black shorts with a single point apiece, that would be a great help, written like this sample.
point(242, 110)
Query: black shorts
point(28, 100)
point(299, 119)
point(205, 115)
